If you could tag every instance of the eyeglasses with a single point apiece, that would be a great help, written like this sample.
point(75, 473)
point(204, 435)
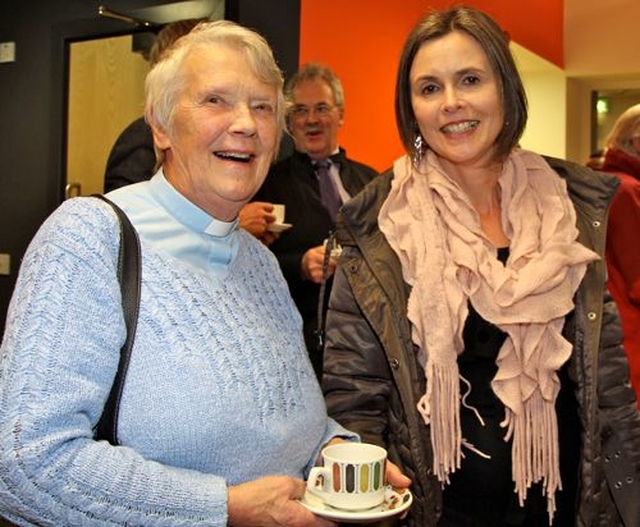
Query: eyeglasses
point(321, 110)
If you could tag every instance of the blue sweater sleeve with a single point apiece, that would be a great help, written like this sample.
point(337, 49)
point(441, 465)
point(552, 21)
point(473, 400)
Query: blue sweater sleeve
point(195, 385)
point(59, 355)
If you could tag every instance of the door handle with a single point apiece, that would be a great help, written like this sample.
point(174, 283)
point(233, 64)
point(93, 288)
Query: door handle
point(72, 190)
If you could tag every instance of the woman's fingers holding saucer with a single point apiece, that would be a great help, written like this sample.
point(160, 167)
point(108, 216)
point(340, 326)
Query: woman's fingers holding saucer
point(395, 477)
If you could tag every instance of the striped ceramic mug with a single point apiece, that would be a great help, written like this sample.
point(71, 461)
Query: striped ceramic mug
point(353, 476)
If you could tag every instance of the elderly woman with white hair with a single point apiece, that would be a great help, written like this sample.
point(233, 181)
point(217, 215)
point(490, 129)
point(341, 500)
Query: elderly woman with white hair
point(221, 416)
point(622, 157)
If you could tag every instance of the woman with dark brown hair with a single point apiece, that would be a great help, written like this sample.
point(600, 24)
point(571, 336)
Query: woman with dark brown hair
point(469, 329)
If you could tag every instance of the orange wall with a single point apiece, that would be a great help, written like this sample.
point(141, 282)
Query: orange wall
point(362, 39)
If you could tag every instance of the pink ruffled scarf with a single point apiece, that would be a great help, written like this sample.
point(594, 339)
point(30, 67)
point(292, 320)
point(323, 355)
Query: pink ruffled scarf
point(446, 258)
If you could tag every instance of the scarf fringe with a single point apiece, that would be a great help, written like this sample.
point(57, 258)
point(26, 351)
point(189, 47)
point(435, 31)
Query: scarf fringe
point(535, 453)
point(439, 407)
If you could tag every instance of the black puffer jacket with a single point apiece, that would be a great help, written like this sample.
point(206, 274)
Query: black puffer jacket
point(372, 380)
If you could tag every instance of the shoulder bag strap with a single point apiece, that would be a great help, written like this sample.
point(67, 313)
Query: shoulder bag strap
point(129, 277)
point(329, 246)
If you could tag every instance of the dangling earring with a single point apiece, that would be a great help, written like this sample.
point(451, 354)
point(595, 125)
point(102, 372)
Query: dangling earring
point(418, 145)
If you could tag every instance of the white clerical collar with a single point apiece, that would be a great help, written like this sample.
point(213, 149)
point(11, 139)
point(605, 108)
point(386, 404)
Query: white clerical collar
point(220, 228)
point(187, 212)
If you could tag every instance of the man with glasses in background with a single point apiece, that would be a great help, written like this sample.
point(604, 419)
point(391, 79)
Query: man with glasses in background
point(312, 183)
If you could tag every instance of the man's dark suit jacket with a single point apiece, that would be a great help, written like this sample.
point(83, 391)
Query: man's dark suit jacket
point(132, 158)
point(292, 181)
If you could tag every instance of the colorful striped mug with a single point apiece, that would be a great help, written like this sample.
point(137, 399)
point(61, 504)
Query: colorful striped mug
point(353, 476)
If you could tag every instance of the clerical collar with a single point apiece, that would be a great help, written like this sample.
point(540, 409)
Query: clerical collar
point(220, 228)
point(187, 212)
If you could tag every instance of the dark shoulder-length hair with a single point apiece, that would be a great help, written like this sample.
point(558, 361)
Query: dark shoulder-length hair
point(495, 43)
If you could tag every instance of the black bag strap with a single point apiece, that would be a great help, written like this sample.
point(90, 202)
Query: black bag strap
point(331, 242)
point(129, 277)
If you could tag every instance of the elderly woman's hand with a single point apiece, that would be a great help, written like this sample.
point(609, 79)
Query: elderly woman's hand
point(271, 501)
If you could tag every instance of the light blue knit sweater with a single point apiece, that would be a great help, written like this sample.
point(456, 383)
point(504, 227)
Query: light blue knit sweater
point(219, 390)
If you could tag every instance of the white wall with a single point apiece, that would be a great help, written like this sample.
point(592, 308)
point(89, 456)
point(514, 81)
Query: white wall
point(545, 84)
point(602, 52)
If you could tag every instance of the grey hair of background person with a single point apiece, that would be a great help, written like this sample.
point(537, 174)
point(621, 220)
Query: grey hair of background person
point(313, 71)
point(626, 127)
point(494, 42)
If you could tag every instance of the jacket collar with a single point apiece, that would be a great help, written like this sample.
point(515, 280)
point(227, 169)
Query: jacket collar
point(620, 161)
point(337, 158)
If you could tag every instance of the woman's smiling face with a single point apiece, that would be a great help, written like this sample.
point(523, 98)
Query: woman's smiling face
point(456, 99)
point(224, 131)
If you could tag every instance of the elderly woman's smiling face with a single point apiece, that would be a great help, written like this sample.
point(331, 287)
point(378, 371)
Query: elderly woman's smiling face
point(224, 131)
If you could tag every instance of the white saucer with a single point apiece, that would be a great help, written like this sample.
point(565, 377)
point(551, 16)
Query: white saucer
point(279, 227)
point(319, 507)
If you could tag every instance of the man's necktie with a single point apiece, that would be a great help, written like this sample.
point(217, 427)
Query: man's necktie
point(328, 191)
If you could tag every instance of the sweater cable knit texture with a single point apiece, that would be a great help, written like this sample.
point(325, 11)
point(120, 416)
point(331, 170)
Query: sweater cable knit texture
point(219, 390)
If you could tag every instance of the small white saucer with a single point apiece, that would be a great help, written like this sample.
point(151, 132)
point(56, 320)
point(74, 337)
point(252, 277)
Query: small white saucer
point(385, 510)
point(279, 227)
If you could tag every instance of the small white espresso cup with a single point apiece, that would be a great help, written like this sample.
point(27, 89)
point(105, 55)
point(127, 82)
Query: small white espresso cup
point(352, 478)
point(278, 212)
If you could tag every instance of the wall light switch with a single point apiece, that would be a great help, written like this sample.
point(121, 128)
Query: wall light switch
point(7, 52)
point(5, 264)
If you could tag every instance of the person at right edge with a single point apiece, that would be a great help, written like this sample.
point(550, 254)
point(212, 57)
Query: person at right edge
point(312, 196)
point(622, 157)
point(469, 328)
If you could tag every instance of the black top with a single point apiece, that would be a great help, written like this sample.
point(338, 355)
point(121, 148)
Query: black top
point(482, 492)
